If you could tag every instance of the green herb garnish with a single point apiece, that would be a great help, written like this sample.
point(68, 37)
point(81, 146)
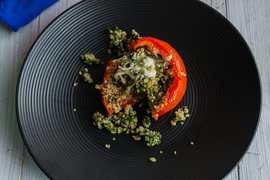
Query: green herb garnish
point(119, 41)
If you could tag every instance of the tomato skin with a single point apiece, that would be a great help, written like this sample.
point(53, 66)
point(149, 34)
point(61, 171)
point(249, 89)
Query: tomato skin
point(177, 89)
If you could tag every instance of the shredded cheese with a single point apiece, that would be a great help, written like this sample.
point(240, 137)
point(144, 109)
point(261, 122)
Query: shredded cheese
point(149, 68)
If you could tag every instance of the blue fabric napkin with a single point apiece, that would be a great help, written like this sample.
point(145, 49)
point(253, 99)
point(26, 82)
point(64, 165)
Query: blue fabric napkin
point(17, 13)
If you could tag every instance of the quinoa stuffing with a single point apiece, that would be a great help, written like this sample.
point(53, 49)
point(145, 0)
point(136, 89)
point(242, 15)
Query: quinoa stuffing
point(137, 76)
point(147, 122)
point(119, 123)
point(119, 41)
point(90, 59)
point(125, 122)
point(152, 138)
point(136, 137)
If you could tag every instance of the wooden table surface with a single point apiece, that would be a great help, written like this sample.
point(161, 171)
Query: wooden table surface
point(251, 17)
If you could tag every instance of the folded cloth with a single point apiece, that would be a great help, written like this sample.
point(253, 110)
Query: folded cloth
point(17, 13)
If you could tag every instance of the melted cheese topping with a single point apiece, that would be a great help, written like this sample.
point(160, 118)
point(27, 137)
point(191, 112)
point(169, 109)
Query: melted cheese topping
point(149, 68)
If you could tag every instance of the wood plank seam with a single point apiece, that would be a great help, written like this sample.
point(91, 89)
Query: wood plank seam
point(22, 164)
point(238, 172)
point(226, 8)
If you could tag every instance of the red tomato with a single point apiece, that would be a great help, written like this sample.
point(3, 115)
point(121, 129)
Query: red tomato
point(176, 90)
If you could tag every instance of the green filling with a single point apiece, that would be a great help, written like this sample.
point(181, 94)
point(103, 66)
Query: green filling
point(85, 74)
point(90, 59)
point(180, 116)
point(119, 41)
point(144, 75)
point(126, 122)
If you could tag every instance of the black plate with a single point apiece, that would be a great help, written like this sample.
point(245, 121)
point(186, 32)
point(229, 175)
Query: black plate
point(223, 95)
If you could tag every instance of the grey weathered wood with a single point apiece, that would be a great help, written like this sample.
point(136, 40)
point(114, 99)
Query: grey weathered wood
point(251, 17)
point(220, 6)
point(30, 170)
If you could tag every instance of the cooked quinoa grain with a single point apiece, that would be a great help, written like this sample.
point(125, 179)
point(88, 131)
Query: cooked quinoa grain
point(152, 159)
point(108, 146)
point(147, 122)
point(126, 122)
point(90, 59)
point(119, 41)
point(136, 137)
point(180, 116)
point(85, 74)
